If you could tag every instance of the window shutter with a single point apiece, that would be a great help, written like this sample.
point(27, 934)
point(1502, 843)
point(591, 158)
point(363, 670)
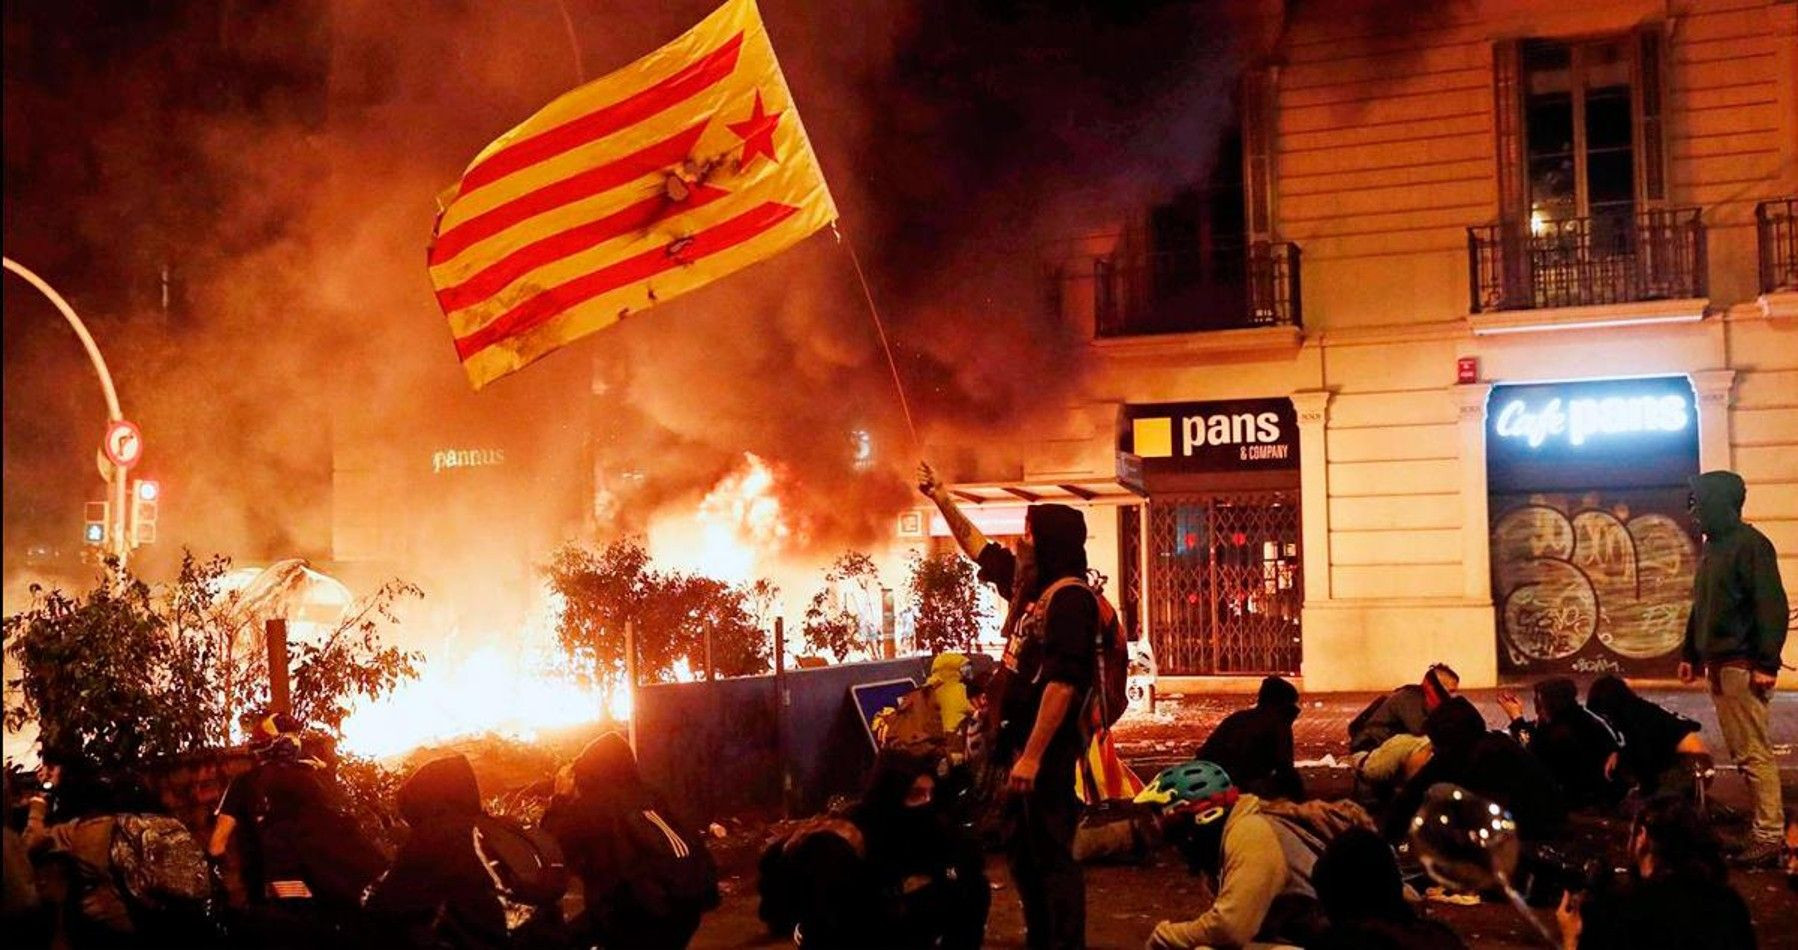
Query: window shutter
point(1259, 94)
point(1650, 102)
point(1507, 127)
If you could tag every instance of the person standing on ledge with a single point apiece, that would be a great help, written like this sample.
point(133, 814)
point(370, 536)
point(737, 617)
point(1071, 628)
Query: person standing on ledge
point(1733, 638)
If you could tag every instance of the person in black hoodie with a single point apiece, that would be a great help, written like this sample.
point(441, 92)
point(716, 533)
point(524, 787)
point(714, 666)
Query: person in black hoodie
point(1464, 752)
point(1578, 747)
point(438, 892)
point(1677, 894)
point(1254, 745)
point(1037, 697)
point(645, 879)
point(929, 882)
point(1659, 745)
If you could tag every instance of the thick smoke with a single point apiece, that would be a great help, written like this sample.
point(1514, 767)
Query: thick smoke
point(278, 197)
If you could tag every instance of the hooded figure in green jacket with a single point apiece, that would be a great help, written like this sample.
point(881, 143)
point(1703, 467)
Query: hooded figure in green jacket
point(1734, 636)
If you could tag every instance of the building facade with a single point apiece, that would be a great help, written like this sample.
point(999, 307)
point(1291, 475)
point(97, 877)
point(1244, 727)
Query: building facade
point(1422, 376)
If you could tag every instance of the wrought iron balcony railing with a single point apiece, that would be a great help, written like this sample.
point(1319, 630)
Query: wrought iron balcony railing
point(1776, 223)
point(1192, 291)
point(1581, 262)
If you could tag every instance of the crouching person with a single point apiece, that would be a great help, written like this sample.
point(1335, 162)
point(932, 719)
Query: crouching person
point(646, 878)
point(1260, 855)
point(438, 893)
point(930, 882)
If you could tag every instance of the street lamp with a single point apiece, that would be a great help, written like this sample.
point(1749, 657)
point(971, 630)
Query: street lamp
point(118, 541)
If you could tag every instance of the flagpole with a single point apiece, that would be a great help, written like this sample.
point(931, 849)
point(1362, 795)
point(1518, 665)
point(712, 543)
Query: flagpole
point(879, 328)
point(580, 62)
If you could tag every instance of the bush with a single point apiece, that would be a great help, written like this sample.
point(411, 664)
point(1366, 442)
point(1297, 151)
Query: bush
point(673, 613)
point(836, 620)
point(128, 674)
point(945, 600)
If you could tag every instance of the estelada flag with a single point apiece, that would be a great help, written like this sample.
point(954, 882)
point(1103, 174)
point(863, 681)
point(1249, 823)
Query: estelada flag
point(630, 190)
point(1111, 778)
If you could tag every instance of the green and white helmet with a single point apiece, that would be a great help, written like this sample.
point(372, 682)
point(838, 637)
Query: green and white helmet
point(1198, 788)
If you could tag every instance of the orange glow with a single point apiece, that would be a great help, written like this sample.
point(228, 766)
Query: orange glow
point(734, 535)
point(513, 685)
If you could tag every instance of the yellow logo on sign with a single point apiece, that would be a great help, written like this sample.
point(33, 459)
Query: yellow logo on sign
point(1154, 438)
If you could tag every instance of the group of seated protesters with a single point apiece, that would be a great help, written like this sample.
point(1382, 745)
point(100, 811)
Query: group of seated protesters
point(306, 873)
point(1288, 871)
point(897, 869)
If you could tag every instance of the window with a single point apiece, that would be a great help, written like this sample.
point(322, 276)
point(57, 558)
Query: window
point(1579, 132)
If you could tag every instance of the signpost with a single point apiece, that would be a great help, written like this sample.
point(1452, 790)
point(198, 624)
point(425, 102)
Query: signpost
point(118, 544)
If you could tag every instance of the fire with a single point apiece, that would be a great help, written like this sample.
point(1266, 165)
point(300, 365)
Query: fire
point(513, 685)
point(738, 529)
point(519, 684)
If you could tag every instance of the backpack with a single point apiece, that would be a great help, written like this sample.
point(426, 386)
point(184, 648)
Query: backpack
point(159, 865)
point(1110, 696)
point(525, 863)
point(914, 724)
point(671, 871)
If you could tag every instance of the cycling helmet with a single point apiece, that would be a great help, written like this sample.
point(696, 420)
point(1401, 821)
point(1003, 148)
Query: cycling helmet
point(1198, 788)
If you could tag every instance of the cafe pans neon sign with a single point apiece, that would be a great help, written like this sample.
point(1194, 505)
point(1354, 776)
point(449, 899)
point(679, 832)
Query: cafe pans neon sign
point(1581, 420)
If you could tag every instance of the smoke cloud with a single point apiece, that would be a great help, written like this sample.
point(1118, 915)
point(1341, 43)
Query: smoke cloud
point(239, 196)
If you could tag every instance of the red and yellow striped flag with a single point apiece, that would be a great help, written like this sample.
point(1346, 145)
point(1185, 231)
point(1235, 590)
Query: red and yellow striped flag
point(633, 189)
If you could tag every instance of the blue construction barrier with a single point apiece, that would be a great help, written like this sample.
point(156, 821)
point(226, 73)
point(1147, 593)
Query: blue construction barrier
point(715, 750)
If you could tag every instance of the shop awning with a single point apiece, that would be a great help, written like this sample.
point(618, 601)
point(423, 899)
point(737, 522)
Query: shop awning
point(1087, 491)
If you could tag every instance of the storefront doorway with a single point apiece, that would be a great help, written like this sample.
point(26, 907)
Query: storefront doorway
point(1225, 589)
point(1593, 551)
point(1221, 585)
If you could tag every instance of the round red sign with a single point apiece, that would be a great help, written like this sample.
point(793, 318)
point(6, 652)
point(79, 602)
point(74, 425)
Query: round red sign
point(124, 444)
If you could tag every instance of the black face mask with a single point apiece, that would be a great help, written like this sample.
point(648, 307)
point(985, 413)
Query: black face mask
point(1024, 580)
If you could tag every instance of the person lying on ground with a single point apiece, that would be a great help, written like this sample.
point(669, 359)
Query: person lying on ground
point(439, 892)
point(1260, 854)
point(1254, 745)
point(1579, 748)
point(1363, 897)
point(646, 878)
point(1661, 748)
point(1677, 894)
point(1389, 733)
point(1464, 752)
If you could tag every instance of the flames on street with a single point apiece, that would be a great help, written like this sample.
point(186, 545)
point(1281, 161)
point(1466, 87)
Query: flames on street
point(519, 683)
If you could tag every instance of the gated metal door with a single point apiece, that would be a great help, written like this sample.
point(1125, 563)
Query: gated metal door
point(1225, 586)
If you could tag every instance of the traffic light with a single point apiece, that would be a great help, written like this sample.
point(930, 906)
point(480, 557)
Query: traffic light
point(144, 497)
point(97, 518)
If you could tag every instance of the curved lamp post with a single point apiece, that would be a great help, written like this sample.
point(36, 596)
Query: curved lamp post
point(118, 545)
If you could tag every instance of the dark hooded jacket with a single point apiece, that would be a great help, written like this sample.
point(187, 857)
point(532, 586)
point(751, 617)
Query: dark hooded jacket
point(305, 834)
point(438, 893)
point(1573, 743)
point(1651, 733)
point(1466, 753)
point(591, 828)
point(1739, 606)
point(1254, 745)
point(929, 882)
point(1064, 652)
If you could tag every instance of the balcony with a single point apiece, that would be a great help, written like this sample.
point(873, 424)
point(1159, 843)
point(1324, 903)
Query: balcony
point(1776, 224)
point(1587, 262)
point(1192, 291)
